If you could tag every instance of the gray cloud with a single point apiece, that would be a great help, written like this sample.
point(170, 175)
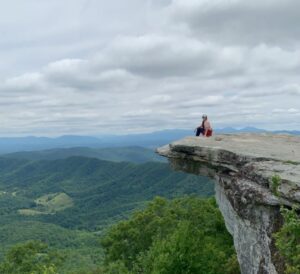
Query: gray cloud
point(83, 73)
point(273, 22)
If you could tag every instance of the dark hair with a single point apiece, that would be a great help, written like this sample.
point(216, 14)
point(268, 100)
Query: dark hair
point(203, 124)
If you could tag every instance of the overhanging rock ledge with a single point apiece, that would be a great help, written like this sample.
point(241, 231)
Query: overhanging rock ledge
point(243, 166)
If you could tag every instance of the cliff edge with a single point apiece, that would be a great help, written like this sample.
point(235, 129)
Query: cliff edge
point(243, 167)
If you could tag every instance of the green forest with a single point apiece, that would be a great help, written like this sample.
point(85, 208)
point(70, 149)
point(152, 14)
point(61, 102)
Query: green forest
point(69, 204)
point(182, 235)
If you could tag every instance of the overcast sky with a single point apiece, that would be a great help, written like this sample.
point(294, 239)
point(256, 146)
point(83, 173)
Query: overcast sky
point(130, 66)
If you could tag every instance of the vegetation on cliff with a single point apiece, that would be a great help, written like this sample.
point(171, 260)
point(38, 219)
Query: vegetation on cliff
point(288, 240)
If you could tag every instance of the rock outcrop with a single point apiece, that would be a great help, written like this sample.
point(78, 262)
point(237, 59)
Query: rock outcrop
point(243, 167)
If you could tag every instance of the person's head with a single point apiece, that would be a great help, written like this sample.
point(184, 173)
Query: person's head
point(204, 117)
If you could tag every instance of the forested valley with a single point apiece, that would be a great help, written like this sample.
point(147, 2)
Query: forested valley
point(79, 213)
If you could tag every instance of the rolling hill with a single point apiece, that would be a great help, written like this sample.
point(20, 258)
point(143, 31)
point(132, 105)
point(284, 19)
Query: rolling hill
point(69, 202)
point(100, 190)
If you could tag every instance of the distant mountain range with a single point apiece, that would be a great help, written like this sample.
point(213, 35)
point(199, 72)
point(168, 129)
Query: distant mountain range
point(256, 130)
point(134, 154)
point(149, 140)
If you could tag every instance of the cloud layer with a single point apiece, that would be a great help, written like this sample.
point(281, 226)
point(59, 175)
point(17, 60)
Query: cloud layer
point(91, 67)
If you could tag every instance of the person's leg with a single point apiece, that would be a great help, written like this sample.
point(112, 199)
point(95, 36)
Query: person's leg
point(199, 131)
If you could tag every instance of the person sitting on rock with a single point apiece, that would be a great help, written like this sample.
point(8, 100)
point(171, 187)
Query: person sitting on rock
point(205, 127)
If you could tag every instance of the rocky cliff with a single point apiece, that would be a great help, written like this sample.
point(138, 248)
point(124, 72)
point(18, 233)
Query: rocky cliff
point(243, 167)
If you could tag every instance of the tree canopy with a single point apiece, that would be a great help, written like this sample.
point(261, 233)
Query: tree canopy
point(33, 257)
point(185, 235)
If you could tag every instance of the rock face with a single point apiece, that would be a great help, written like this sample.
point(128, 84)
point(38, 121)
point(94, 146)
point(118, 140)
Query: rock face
point(243, 167)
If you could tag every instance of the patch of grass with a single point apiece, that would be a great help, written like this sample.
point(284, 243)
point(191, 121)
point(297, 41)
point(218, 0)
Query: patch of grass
point(49, 204)
point(275, 183)
point(292, 162)
point(55, 202)
point(30, 212)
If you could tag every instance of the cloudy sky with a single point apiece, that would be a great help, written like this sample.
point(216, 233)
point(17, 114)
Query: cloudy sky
point(96, 66)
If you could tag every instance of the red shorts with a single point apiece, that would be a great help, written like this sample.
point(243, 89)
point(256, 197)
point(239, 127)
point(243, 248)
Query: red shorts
point(209, 133)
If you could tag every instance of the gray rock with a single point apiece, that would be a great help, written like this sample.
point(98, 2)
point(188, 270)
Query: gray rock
point(243, 166)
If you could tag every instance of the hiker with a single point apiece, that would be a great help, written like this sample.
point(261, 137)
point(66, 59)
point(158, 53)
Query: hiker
point(205, 127)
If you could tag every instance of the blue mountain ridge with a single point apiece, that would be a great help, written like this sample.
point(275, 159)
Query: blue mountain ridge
point(149, 140)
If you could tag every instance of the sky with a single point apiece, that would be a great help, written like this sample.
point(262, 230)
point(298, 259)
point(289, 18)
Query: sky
point(93, 67)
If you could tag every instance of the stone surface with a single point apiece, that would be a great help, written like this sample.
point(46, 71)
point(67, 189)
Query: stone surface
point(243, 166)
